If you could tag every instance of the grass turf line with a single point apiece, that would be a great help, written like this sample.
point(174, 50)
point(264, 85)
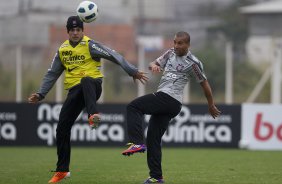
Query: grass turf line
point(32, 165)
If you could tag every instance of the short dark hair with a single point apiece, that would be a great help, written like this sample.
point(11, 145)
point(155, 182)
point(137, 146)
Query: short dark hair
point(74, 21)
point(183, 34)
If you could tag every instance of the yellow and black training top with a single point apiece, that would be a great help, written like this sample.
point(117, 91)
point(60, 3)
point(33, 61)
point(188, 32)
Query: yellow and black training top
point(78, 62)
point(83, 60)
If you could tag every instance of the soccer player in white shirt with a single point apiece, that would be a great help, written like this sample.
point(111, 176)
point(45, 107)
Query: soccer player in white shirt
point(178, 65)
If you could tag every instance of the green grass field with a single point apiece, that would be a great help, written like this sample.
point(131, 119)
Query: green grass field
point(22, 165)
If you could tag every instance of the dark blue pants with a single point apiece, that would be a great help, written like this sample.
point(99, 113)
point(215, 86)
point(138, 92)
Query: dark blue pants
point(162, 109)
point(80, 96)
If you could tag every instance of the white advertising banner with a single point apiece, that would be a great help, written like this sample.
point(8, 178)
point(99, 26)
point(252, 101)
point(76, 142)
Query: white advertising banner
point(261, 127)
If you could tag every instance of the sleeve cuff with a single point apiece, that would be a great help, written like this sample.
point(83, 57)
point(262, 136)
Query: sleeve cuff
point(41, 97)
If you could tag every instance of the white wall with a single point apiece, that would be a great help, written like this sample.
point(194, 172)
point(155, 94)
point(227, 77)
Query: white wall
point(260, 49)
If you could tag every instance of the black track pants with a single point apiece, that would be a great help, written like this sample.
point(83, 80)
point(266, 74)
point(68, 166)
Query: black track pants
point(162, 109)
point(83, 95)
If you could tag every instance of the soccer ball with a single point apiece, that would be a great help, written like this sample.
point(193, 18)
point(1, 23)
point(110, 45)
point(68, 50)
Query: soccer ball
point(87, 11)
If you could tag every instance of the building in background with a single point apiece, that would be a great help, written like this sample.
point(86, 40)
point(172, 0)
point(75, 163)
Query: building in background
point(33, 17)
point(28, 28)
point(265, 30)
point(264, 44)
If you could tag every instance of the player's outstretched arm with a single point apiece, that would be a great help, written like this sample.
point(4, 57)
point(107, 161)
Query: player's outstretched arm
point(141, 76)
point(50, 78)
point(214, 112)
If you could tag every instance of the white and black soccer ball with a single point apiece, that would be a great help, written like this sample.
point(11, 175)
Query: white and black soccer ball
point(87, 11)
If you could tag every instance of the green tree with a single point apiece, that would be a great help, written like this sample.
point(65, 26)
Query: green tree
point(233, 26)
point(245, 77)
point(214, 67)
point(232, 23)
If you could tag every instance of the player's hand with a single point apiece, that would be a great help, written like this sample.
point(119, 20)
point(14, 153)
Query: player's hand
point(141, 76)
point(155, 68)
point(34, 98)
point(214, 112)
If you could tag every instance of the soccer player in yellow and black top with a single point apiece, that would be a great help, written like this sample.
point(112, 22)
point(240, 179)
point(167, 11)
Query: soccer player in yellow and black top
point(80, 58)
